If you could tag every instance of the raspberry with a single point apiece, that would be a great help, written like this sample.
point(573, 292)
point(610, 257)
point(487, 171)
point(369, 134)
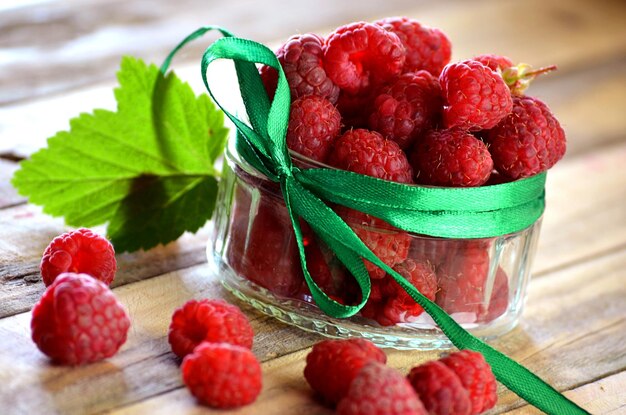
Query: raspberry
point(367, 152)
point(401, 307)
point(302, 61)
point(380, 390)
point(314, 124)
point(406, 108)
point(263, 248)
point(440, 389)
point(208, 320)
point(79, 251)
point(329, 273)
point(333, 364)
point(463, 279)
point(476, 377)
point(530, 140)
point(476, 97)
point(452, 158)
point(78, 320)
point(360, 55)
point(222, 375)
point(494, 62)
point(431, 250)
point(390, 247)
point(426, 48)
point(499, 300)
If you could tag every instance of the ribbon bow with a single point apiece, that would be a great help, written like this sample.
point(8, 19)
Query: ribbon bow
point(453, 213)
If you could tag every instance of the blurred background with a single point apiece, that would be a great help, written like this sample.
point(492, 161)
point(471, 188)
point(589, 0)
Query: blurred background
point(59, 57)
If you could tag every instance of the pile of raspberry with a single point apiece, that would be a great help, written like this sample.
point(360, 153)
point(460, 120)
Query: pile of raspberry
point(384, 100)
point(352, 375)
point(79, 320)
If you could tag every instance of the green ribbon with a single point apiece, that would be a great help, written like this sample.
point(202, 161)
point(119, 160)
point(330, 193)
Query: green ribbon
point(453, 213)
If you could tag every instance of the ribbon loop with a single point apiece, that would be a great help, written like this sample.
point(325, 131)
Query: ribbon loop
point(453, 213)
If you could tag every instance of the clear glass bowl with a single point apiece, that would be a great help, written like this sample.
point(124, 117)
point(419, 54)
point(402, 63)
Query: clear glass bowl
point(481, 283)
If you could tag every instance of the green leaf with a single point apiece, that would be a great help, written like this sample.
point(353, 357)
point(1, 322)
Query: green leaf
point(147, 169)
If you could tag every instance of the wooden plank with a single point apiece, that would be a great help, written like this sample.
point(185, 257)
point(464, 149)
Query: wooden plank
point(8, 195)
point(568, 336)
point(585, 213)
point(72, 29)
point(144, 364)
point(82, 42)
point(26, 232)
point(604, 396)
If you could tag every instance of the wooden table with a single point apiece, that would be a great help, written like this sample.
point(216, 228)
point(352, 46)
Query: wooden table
point(58, 58)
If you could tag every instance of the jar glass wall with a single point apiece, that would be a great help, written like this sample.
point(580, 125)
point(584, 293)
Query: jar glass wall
point(481, 283)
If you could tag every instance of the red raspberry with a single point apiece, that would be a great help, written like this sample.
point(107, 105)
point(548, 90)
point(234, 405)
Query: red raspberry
point(499, 300)
point(222, 375)
point(302, 60)
point(463, 282)
point(390, 247)
point(333, 364)
point(426, 48)
point(431, 250)
point(380, 390)
point(407, 108)
point(367, 152)
point(476, 377)
point(452, 158)
point(314, 124)
point(400, 307)
point(476, 97)
point(78, 320)
point(494, 62)
point(214, 321)
point(263, 248)
point(440, 389)
point(79, 251)
point(360, 55)
point(530, 140)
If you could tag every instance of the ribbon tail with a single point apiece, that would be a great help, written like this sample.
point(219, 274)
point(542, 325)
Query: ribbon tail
point(348, 246)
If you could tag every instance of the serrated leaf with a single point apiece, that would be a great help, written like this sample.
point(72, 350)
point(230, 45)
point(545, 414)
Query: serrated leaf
point(146, 169)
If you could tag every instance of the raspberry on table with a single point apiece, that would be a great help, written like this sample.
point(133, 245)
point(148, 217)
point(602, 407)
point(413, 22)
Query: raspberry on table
point(332, 365)
point(361, 55)
point(476, 97)
point(440, 389)
point(476, 377)
point(494, 62)
point(314, 124)
point(367, 152)
point(427, 48)
point(453, 158)
point(380, 390)
point(302, 60)
point(213, 321)
point(406, 108)
point(222, 375)
point(528, 141)
point(79, 251)
point(79, 320)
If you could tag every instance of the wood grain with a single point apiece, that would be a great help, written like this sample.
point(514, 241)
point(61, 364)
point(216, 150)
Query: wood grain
point(26, 233)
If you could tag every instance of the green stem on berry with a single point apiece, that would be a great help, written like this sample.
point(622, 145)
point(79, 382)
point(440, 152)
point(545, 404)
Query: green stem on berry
point(519, 77)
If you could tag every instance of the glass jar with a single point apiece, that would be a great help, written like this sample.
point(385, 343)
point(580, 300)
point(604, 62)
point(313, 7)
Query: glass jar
point(481, 283)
